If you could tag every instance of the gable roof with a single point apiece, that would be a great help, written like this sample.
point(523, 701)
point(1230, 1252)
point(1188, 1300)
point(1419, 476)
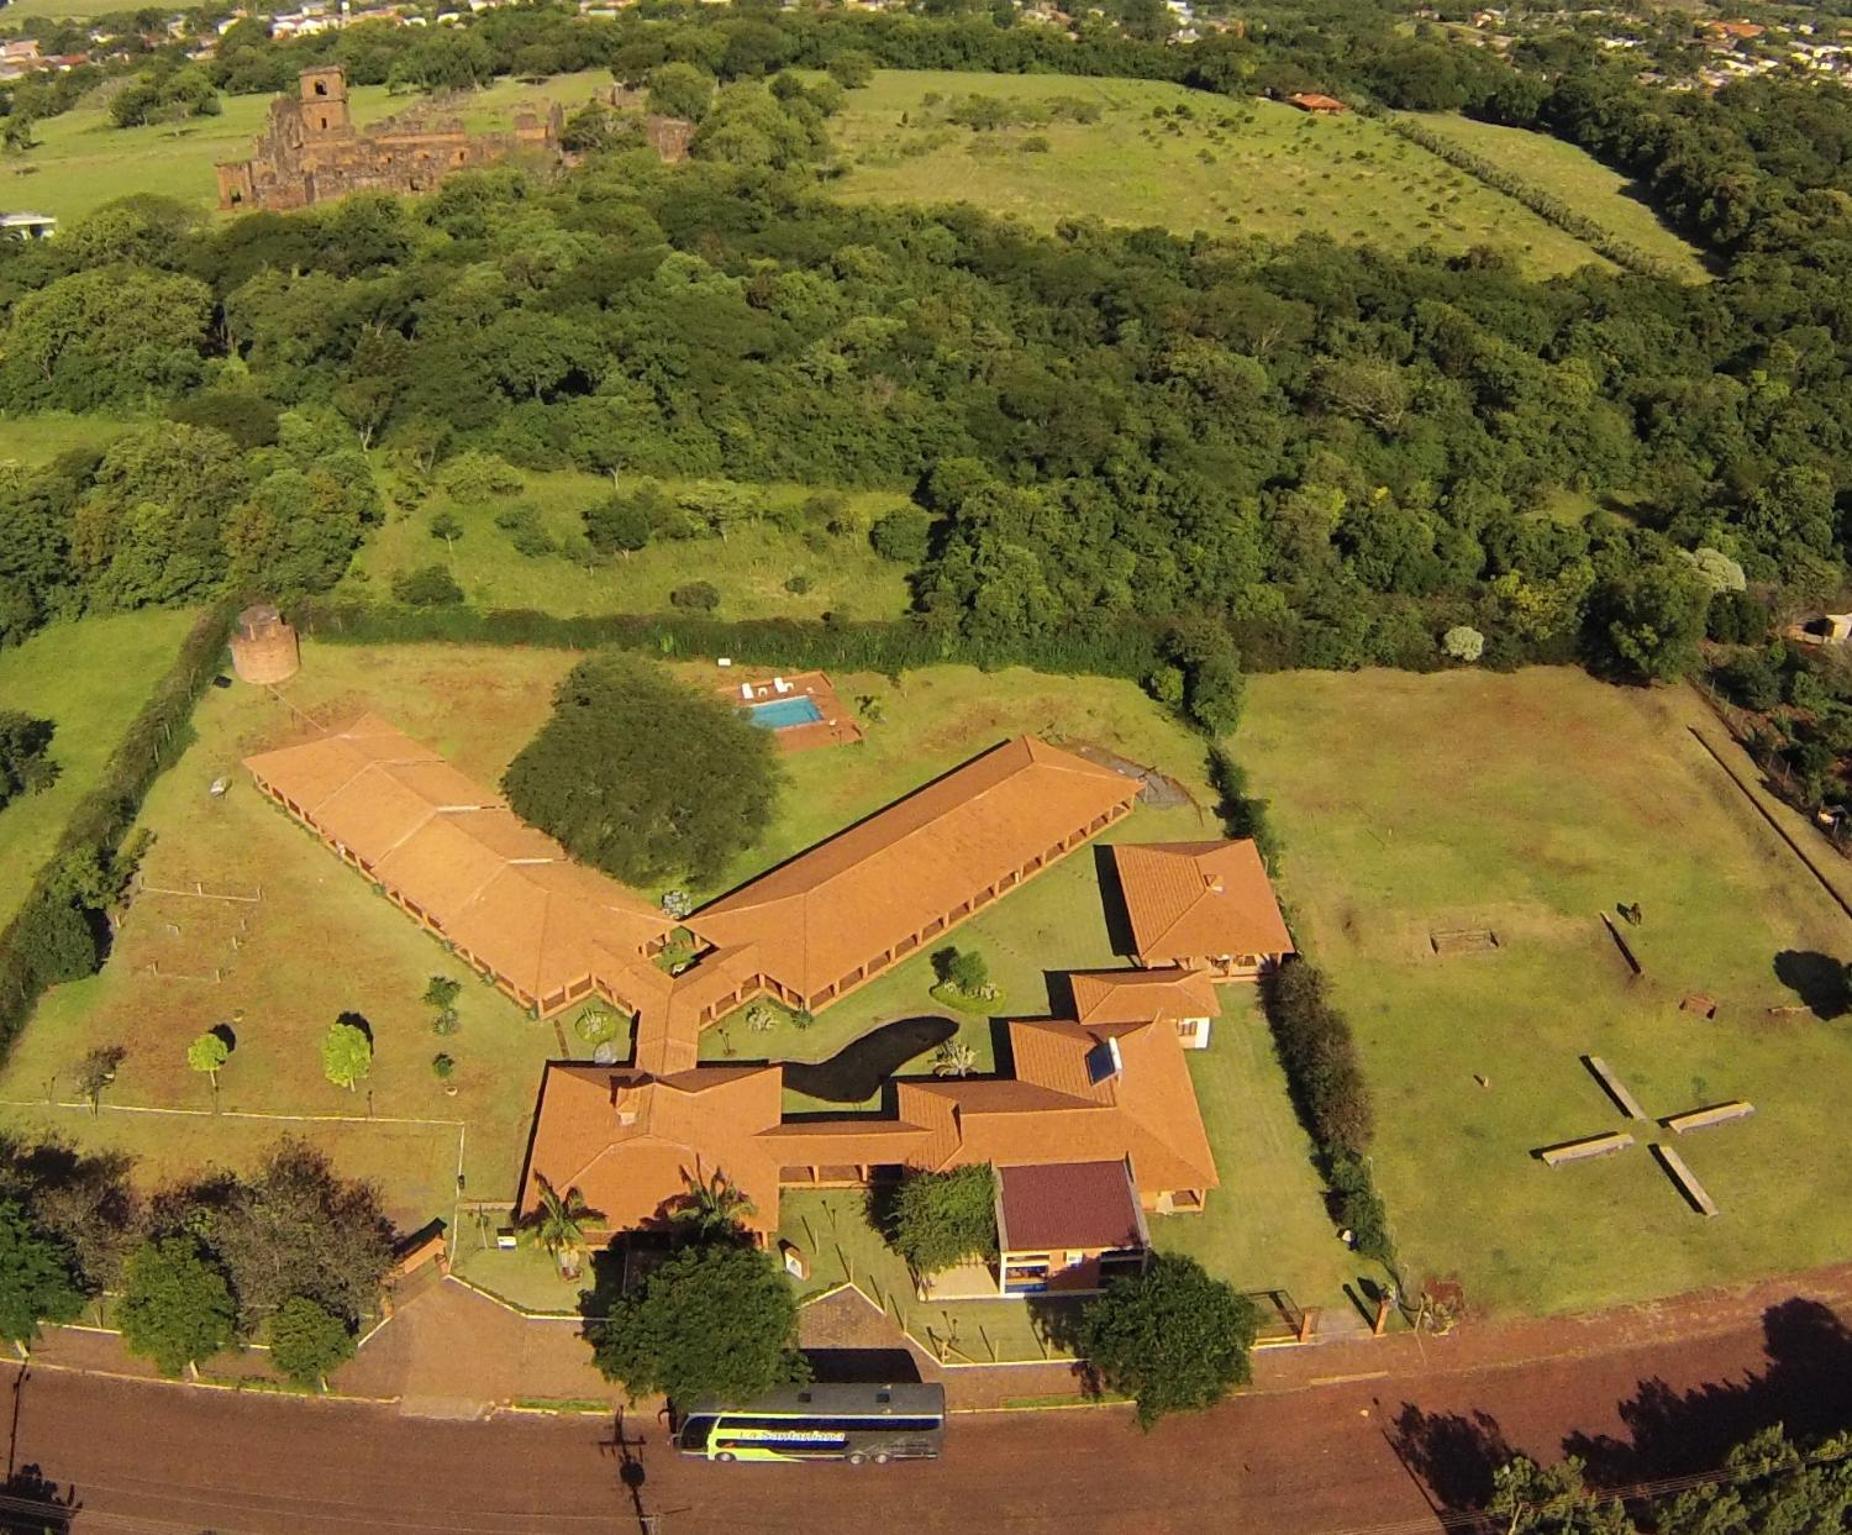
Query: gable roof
point(850, 900)
point(496, 887)
point(1195, 900)
point(1143, 996)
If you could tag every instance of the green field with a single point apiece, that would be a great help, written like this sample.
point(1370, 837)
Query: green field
point(1271, 171)
point(1578, 178)
point(89, 679)
point(35, 440)
point(1526, 805)
point(84, 162)
point(279, 969)
point(749, 568)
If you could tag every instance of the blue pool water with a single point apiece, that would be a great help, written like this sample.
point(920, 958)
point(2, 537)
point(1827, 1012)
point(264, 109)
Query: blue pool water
point(782, 713)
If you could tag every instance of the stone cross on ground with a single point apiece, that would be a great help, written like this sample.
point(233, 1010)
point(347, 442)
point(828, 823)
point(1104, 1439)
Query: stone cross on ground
point(1683, 1179)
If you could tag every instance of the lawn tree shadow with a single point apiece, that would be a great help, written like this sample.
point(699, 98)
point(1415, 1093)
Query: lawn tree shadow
point(1807, 1386)
point(358, 1021)
point(226, 1035)
point(1112, 902)
point(1451, 1455)
point(1817, 979)
point(1058, 1320)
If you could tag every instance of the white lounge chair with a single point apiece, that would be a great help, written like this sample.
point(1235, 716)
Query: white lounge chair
point(779, 685)
point(746, 691)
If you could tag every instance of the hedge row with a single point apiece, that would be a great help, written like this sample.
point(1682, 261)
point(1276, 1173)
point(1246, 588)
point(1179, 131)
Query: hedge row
point(1315, 1045)
point(1546, 205)
point(55, 935)
point(1125, 648)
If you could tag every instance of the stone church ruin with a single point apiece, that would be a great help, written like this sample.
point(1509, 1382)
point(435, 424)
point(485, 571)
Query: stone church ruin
point(310, 151)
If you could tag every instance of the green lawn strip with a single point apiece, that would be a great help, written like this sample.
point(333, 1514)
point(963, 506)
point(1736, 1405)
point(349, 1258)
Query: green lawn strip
point(1280, 174)
point(524, 1276)
point(1526, 804)
point(38, 439)
point(1578, 178)
point(83, 161)
point(90, 679)
point(833, 1231)
point(749, 568)
point(1264, 1227)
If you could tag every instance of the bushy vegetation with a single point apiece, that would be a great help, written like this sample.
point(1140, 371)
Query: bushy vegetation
point(938, 1220)
point(26, 763)
point(1173, 1338)
point(644, 778)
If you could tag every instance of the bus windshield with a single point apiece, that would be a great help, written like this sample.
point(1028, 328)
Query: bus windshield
point(875, 1423)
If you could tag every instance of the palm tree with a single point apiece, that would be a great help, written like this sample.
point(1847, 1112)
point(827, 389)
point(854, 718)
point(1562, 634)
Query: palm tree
point(714, 1206)
point(558, 1224)
point(955, 1058)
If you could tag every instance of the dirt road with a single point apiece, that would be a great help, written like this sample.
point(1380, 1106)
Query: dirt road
point(1374, 1454)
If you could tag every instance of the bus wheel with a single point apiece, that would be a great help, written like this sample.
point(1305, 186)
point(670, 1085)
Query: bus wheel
point(723, 1455)
point(856, 1458)
point(881, 1457)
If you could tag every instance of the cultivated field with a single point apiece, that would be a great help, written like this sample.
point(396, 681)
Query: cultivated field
point(1234, 168)
point(319, 942)
point(1526, 805)
point(89, 679)
point(1578, 178)
point(749, 568)
point(84, 162)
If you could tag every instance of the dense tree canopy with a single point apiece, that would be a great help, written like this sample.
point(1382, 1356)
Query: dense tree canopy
point(643, 777)
point(176, 1307)
point(938, 1220)
point(714, 1320)
point(1174, 1338)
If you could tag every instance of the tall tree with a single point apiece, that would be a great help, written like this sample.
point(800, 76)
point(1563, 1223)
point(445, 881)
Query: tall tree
point(558, 1223)
point(307, 1341)
point(1174, 1338)
point(643, 777)
point(347, 1054)
point(176, 1306)
point(38, 1277)
point(715, 1320)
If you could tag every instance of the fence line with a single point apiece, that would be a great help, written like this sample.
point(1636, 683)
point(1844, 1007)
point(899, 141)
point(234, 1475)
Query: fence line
point(198, 892)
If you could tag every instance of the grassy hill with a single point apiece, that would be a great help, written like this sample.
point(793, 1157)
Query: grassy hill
point(84, 162)
point(1233, 168)
point(1578, 178)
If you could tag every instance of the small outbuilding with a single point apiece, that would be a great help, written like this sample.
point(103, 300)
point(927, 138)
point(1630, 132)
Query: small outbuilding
point(1205, 906)
point(263, 646)
point(1068, 1227)
point(1317, 103)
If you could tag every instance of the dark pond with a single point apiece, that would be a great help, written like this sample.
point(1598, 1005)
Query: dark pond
point(855, 1072)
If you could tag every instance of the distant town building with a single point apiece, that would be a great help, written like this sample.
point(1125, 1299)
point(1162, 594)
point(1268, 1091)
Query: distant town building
point(311, 152)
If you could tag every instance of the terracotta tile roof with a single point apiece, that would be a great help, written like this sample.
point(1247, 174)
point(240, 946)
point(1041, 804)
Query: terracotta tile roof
point(1143, 996)
point(1199, 900)
point(853, 898)
point(1083, 1206)
point(497, 888)
point(631, 1143)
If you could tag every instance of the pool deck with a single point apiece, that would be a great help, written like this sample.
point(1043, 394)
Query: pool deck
point(836, 728)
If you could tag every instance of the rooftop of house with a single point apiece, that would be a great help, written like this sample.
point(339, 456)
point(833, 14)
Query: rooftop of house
point(1192, 900)
point(1067, 1206)
point(493, 885)
point(866, 890)
point(1140, 996)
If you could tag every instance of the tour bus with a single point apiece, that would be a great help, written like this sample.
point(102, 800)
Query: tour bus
point(823, 1422)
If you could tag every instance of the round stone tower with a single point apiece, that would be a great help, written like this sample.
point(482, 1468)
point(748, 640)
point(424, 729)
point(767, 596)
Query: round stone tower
point(263, 646)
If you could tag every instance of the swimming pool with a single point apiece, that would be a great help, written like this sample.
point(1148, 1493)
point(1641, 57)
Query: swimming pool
point(783, 713)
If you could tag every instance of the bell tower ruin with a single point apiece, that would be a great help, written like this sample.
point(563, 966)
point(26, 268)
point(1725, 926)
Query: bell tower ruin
point(324, 101)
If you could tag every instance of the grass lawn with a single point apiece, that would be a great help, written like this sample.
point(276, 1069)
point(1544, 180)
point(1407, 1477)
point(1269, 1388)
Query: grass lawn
point(1527, 804)
point(89, 679)
point(833, 1231)
point(1265, 1227)
point(83, 162)
point(35, 440)
point(1237, 169)
point(749, 568)
point(319, 943)
point(1578, 178)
